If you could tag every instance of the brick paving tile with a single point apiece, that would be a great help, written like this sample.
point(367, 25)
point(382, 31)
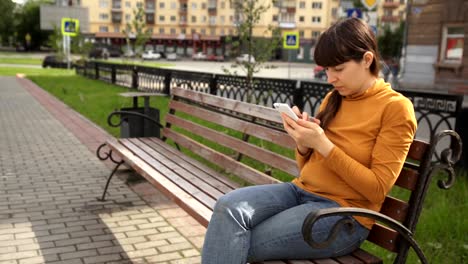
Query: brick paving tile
point(51, 179)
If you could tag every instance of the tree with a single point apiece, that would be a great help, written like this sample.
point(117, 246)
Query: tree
point(137, 29)
point(29, 23)
point(6, 21)
point(391, 42)
point(248, 15)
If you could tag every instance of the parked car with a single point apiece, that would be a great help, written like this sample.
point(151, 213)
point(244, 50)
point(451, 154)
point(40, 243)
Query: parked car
point(320, 73)
point(150, 55)
point(171, 56)
point(129, 53)
point(199, 56)
point(245, 58)
point(53, 61)
point(99, 52)
point(213, 57)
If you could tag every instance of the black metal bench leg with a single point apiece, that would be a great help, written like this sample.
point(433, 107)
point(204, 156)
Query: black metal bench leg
point(103, 198)
point(105, 156)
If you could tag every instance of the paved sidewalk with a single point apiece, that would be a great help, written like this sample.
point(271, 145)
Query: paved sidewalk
point(50, 179)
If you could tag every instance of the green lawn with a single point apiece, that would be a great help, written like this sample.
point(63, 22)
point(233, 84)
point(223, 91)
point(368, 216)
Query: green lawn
point(443, 224)
point(20, 60)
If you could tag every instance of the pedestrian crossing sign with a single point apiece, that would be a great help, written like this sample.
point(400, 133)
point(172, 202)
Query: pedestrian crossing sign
point(291, 40)
point(70, 26)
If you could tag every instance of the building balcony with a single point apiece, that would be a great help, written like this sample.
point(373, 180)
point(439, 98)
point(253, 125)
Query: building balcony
point(285, 24)
point(391, 19)
point(391, 5)
point(183, 1)
point(183, 11)
point(183, 23)
point(116, 18)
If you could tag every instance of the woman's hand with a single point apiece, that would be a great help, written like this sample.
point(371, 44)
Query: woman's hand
point(307, 133)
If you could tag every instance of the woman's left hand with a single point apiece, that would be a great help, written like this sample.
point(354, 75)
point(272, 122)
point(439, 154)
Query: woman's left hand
point(309, 134)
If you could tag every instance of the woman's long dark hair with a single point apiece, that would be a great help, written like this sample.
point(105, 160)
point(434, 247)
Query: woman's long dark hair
point(344, 41)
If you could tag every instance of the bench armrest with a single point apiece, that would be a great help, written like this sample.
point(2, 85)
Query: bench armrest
point(345, 223)
point(115, 113)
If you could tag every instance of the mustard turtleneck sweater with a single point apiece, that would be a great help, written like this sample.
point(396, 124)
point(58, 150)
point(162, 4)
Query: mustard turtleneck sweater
point(372, 133)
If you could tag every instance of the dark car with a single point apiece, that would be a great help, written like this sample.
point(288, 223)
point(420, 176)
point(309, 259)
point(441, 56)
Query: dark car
point(320, 73)
point(53, 61)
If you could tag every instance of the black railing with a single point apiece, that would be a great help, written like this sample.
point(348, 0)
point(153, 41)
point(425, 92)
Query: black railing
point(435, 112)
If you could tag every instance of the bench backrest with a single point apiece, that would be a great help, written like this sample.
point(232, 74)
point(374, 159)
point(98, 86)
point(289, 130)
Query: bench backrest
point(248, 124)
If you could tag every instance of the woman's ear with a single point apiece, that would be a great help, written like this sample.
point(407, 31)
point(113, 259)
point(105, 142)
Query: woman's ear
point(368, 58)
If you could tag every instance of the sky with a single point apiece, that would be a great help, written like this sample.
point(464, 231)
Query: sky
point(19, 1)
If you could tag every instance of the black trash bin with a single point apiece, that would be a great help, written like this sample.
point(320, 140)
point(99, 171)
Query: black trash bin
point(137, 126)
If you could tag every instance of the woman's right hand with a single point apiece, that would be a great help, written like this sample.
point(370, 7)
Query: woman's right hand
point(304, 116)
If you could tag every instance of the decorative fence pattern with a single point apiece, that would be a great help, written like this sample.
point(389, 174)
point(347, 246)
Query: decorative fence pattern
point(434, 112)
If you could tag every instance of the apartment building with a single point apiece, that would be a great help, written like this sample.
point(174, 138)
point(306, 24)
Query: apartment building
point(391, 12)
point(188, 26)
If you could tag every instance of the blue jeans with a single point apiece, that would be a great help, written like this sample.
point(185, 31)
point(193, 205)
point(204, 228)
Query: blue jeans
point(264, 222)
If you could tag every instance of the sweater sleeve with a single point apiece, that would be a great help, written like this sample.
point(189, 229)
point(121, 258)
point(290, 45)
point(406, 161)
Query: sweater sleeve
point(388, 156)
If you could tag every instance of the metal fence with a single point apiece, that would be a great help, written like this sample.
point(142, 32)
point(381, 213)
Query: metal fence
point(434, 112)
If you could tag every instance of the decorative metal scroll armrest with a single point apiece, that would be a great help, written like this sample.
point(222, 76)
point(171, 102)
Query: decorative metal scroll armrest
point(109, 118)
point(448, 157)
point(313, 217)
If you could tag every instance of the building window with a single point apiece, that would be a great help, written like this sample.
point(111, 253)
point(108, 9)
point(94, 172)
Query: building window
point(103, 29)
point(302, 4)
point(161, 31)
point(139, 4)
point(128, 4)
point(213, 32)
point(173, 19)
point(204, 19)
point(173, 30)
point(223, 5)
point(116, 29)
point(203, 6)
point(128, 17)
point(161, 5)
point(194, 19)
point(452, 43)
point(315, 34)
point(194, 5)
point(301, 33)
point(316, 19)
point(203, 31)
point(316, 5)
point(173, 5)
point(275, 18)
point(103, 4)
point(161, 18)
point(301, 18)
point(103, 16)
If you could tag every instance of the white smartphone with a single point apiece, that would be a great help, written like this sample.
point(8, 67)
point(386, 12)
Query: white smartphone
point(285, 108)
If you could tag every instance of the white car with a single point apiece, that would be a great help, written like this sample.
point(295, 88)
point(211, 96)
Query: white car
point(150, 55)
point(199, 56)
point(171, 56)
point(245, 58)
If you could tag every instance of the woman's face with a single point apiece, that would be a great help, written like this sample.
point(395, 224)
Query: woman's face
point(351, 78)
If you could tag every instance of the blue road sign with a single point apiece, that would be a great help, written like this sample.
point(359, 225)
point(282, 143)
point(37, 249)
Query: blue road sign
point(354, 12)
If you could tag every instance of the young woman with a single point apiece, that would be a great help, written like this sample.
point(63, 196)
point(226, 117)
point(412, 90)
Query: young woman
point(350, 154)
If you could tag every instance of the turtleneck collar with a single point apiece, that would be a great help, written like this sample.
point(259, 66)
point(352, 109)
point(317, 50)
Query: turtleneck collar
point(378, 86)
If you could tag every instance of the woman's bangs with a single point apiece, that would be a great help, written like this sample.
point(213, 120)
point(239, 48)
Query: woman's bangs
point(327, 53)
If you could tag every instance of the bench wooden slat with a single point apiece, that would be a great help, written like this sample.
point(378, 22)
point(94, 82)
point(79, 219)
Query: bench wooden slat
point(417, 149)
point(148, 155)
point(384, 237)
point(279, 137)
point(186, 172)
point(186, 201)
point(262, 112)
point(408, 179)
point(395, 208)
point(215, 179)
point(220, 159)
point(265, 156)
point(366, 257)
point(325, 261)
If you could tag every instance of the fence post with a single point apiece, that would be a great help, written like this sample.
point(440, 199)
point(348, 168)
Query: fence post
point(167, 82)
point(298, 96)
point(213, 84)
point(135, 77)
point(461, 127)
point(96, 75)
point(113, 74)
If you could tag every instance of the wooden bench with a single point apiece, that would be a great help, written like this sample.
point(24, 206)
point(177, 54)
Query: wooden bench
point(250, 134)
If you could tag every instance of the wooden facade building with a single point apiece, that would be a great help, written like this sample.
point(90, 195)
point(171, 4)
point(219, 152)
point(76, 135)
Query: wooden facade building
point(436, 54)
